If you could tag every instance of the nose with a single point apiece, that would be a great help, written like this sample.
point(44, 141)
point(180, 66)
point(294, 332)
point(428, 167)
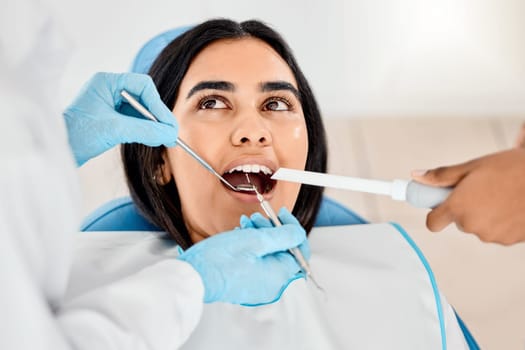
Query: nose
point(251, 131)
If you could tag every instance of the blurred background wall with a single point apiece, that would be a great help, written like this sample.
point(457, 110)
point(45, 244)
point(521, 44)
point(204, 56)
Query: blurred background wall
point(363, 57)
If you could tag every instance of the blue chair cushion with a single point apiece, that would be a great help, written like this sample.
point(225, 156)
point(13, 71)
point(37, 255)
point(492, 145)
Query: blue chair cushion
point(122, 215)
point(333, 213)
point(150, 50)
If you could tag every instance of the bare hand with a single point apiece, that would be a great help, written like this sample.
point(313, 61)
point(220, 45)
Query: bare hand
point(488, 197)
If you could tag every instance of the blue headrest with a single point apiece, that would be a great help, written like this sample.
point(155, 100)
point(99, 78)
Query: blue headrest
point(149, 52)
point(122, 215)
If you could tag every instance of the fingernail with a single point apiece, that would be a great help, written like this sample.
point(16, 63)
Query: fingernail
point(419, 172)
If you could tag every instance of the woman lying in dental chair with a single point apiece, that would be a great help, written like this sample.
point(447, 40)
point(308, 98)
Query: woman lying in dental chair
point(244, 105)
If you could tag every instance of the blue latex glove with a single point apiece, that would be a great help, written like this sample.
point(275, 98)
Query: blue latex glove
point(99, 118)
point(257, 220)
point(249, 266)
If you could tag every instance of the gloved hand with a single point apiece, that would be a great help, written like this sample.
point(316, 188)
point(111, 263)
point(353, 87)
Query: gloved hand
point(249, 265)
point(99, 118)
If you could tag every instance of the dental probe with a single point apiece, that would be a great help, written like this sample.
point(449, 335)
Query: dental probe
point(296, 252)
point(413, 192)
point(240, 188)
point(142, 110)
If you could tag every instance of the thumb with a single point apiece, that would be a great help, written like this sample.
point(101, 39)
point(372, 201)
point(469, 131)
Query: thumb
point(287, 218)
point(439, 218)
point(445, 176)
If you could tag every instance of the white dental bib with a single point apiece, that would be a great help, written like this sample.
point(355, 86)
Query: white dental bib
point(380, 294)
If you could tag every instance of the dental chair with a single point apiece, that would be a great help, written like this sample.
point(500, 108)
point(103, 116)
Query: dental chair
point(121, 214)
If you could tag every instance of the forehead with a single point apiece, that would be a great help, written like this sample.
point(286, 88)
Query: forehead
point(245, 60)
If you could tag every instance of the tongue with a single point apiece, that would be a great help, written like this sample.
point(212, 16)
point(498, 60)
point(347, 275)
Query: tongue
point(239, 178)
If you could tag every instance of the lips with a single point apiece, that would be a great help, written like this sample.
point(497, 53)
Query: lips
point(256, 174)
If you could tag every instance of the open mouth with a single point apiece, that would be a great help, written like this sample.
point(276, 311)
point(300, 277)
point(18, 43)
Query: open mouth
point(254, 174)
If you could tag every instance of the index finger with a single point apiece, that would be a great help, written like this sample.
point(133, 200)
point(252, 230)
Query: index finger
point(444, 176)
point(272, 240)
point(142, 87)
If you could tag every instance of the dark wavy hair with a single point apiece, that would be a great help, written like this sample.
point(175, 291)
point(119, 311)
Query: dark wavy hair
point(160, 204)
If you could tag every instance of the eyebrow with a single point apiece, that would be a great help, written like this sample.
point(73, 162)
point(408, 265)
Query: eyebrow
point(227, 86)
point(211, 85)
point(279, 85)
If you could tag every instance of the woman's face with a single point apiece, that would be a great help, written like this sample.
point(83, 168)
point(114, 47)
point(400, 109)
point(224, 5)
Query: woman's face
point(238, 108)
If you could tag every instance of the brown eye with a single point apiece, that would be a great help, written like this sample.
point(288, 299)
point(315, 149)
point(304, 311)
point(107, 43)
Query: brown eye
point(277, 105)
point(212, 103)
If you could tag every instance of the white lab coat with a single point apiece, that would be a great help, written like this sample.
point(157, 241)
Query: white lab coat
point(154, 308)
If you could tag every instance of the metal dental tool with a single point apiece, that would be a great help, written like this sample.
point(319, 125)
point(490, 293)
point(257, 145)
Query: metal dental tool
point(142, 110)
point(413, 192)
point(296, 252)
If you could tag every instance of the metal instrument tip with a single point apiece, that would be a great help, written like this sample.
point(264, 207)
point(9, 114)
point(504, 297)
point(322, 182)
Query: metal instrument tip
point(317, 285)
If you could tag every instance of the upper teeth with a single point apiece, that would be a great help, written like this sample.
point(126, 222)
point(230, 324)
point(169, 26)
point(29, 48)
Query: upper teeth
point(252, 168)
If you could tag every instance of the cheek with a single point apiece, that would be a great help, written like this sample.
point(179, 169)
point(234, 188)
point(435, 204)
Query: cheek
point(200, 194)
point(301, 135)
point(289, 192)
point(292, 153)
point(299, 132)
point(293, 146)
point(191, 179)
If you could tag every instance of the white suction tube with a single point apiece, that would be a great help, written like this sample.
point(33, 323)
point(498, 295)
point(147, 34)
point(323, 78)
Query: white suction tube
point(414, 193)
